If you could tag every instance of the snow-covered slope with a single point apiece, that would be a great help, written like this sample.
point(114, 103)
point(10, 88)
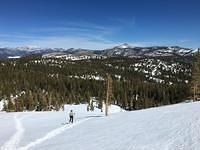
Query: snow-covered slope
point(174, 127)
point(124, 50)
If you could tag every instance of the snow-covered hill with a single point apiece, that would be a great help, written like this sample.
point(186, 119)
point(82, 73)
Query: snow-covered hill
point(124, 50)
point(6, 52)
point(174, 127)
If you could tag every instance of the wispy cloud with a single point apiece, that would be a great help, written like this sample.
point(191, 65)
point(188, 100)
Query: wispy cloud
point(17, 36)
point(75, 34)
point(75, 42)
point(71, 34)
point(65, 42)
point(90, 42)
point(78, 28)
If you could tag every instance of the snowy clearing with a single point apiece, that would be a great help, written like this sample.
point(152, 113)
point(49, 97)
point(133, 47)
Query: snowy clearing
point(175, 127)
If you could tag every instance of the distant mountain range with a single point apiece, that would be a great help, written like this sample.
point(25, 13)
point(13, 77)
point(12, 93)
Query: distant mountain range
point(124, 50)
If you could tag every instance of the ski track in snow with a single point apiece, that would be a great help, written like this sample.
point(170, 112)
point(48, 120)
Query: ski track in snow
point(52, 134)
point(186, 137)
point(13, 143)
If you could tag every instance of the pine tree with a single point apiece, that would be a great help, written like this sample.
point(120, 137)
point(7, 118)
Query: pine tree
point(31, 101)
point(11, 106)
point(196, 76)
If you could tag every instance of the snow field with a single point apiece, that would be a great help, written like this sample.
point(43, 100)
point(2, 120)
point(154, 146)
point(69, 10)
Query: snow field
point(175, 127)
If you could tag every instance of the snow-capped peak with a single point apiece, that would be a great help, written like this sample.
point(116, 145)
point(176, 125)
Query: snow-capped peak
point(28, 47)
point(196, 50)
point(123, 46)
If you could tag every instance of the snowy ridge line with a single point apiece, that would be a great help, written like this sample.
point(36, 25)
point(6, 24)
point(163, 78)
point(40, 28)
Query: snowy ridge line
point(52, 134)
point(13, 143)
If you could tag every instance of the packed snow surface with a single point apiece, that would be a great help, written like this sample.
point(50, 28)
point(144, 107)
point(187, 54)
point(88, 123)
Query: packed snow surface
point(175, 127)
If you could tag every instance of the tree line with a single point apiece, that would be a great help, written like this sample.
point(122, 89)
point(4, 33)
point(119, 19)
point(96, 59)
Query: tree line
point(34, 83)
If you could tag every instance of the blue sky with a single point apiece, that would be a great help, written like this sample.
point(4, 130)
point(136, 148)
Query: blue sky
point(98, 24)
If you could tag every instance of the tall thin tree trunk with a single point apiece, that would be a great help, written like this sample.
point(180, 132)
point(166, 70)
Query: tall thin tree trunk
point(194, 91)
point(109, 93)
point(107, 97)
point(106, 107)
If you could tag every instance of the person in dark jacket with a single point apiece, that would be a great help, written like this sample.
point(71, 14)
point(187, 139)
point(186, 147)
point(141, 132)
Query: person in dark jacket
point(71, 116)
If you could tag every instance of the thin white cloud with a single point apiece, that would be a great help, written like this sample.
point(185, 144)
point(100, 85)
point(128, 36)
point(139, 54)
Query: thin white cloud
point(63, 42)
point(71, 42)
point(74, 35)
point(77, 28)
point(17, 36)
point(71, 34)
point(90, 41)
point(87, 41)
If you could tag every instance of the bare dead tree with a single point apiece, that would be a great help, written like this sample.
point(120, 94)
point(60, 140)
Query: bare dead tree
point(109, 93)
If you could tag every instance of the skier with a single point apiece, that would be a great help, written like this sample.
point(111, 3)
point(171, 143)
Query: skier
point(71, 116)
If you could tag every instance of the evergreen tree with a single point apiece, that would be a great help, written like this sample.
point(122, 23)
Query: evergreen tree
point(11, 106)
point(196, 76)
